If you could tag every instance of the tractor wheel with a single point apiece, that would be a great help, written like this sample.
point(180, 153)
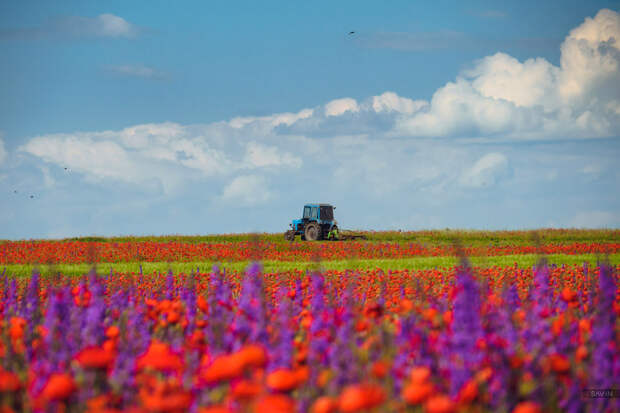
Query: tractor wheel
point(313, 231)
point(289, 235)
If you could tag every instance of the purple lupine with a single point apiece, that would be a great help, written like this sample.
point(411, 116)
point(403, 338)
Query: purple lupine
point(342, 359)
point(282, 354)
point(11, 303)
point(170, 288)
point(603, 335)
point(93, 333)
point(537, 335)
point(319, 344)
point(58, 349)
point(220, 315)
point(251, 321)
point(466, 330)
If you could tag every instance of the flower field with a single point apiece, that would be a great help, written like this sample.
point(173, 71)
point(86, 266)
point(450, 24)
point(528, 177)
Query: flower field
point(447, 339)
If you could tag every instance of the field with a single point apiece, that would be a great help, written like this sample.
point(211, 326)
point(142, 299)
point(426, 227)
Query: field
point(430, 321)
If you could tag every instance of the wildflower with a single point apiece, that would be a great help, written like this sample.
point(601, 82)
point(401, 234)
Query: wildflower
point(439, 404)
point(324, 404)
point(9, 382)
point(527, 407)
point(283, 380)
point(158, 356)
point(58, 387)
point(360, 396)
point(224, 367)
point(275, 403)
point(95, 357)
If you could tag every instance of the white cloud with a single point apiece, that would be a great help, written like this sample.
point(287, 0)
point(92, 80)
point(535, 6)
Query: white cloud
point(485, 172)
point(339, 106)
point(247, 190)
point(501, 96)
point(259, 155)
point(104, 25)
point(112, 26)
point(596, 219)
point(3, 154)
point(137, 70)
point(390, 101)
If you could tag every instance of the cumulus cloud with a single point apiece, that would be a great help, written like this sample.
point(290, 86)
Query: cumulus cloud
point(104, 25)
point(258, 155)
point(247, 190)
point(485, 172)
point(161, 155)
point(534, 99)
point(137, 70)
point(382, 143)
point(3, 154)
point(339, 106)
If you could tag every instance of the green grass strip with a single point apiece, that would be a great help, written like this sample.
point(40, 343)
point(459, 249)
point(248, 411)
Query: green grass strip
point(417, 263)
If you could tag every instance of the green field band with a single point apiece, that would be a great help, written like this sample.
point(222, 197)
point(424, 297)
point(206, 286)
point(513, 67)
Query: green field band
point(417, 263)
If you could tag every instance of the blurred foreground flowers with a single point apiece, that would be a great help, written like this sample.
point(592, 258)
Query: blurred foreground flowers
point(463, 339)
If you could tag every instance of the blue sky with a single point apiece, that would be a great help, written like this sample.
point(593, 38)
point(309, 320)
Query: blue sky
point(214, 117)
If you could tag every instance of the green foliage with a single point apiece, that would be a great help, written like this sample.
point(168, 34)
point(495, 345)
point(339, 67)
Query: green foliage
point(417, 263)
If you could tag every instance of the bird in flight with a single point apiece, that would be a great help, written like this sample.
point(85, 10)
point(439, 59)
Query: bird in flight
point(31, 196)
point(351, 32)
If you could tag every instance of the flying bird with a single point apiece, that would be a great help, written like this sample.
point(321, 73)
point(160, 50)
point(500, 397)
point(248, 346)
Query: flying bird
point(351, 32)
point(31, 196)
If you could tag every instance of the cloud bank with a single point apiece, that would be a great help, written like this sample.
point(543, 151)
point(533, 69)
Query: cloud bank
point(105, 25)
point(377, 146)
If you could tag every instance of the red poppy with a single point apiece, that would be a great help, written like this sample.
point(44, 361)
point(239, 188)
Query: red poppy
point(158, 356)
point(58, 387)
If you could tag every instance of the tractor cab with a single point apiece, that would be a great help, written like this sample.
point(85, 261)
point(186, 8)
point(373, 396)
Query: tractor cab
point(316, 223)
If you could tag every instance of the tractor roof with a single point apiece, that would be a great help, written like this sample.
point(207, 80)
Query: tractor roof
point(317, 204)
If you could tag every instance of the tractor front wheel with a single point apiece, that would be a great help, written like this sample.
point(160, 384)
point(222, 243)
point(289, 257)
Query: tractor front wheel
point(312, 231)
point(289, 235)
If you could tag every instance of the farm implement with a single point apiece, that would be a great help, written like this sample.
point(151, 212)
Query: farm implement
point(318, 223)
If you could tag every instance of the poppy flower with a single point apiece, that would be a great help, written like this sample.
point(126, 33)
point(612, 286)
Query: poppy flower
point(112, 332)
point(324, 404)
point(171, 402)
point(58, 387)
point(158, 356)
point(361, 396)
point(527, 407)
point(380, 369)
point(416, 392)
point(9, 382)
point(95, 358)
point(245, 390)
point(439, 404)
point(275, 403)
point(419, 374)
point(559, 363)
point(214, 409)
point(224, 367)
point(253, 355)
point(468, 392)
point(283, 380)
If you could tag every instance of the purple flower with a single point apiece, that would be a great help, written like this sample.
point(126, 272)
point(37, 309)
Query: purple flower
point(603, 335)
point(466, 331)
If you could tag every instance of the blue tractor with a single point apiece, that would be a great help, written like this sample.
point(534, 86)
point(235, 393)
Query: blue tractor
point(316, 223)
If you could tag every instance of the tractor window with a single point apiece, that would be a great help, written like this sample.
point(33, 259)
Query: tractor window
point(327, 213)
point(315, 213)
point(306, 212)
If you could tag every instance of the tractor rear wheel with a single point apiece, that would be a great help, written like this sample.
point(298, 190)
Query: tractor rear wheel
point(312, 231)
point(289, 235)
